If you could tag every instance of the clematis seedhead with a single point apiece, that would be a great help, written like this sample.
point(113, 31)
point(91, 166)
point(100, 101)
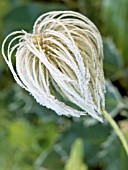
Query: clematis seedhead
point(63, 55)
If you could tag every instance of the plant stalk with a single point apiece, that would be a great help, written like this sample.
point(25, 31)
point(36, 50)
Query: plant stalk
point(117, 130)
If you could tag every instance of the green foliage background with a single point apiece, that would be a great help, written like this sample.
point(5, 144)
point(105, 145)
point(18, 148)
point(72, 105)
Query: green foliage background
point(35, 138)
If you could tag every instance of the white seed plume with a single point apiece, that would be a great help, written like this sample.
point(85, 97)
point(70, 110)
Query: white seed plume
point(63, 54)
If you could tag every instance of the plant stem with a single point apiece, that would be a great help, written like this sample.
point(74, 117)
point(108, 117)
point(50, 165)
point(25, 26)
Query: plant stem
point(117, 130)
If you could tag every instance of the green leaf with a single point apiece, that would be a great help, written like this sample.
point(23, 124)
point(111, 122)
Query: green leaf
point(115, 19)
point(75, 160)
point(50, 160)
point(113, 63)
point(113, 154)
point(92, 136)
point(114, 100)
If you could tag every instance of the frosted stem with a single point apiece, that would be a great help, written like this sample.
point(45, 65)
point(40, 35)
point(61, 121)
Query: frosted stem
point(117, 130)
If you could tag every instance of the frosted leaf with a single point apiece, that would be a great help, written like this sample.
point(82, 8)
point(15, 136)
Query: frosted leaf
point(64, 51)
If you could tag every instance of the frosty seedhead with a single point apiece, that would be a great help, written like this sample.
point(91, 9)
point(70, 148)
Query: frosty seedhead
point(63, 54)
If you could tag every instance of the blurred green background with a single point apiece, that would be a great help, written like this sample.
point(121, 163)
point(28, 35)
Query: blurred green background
point(35, 138)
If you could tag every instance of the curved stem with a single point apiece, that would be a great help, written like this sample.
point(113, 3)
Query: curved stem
point(117, 130)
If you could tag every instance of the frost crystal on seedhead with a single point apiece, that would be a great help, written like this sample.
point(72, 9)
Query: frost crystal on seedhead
point(62, 55)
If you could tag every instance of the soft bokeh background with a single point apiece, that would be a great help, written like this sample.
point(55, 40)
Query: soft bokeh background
point(35, 138)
